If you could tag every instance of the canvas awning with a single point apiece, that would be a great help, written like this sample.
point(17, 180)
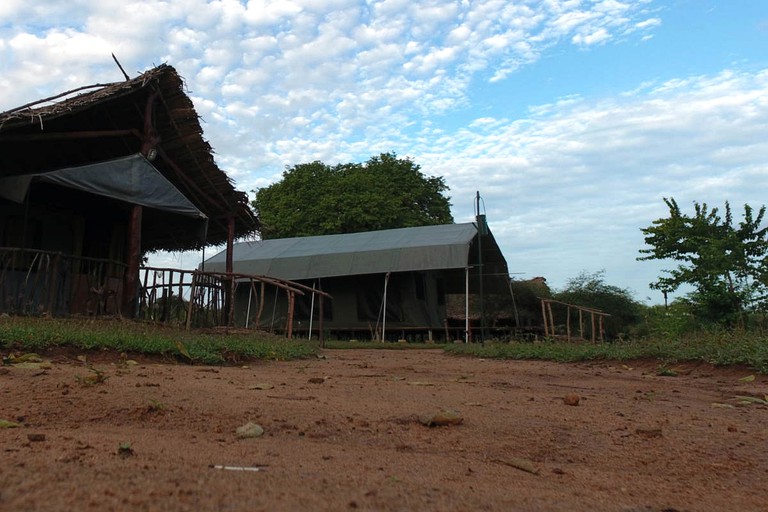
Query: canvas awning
point(393, 250)
point(132, 179)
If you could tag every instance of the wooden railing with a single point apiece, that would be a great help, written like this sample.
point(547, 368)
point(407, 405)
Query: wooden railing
point(193, 298)
point(596, 325)
point(35, 282)
point(45, 283)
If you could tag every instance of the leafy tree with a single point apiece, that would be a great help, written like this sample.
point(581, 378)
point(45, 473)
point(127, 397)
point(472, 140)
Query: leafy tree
point(591, 290)
point(724, 263)
point(385, 192)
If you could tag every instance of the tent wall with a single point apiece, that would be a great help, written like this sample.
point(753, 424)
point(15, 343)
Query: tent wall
point(415, 302)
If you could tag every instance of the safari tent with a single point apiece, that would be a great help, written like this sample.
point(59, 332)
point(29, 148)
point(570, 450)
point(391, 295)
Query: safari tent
point(92, 179)
point(389, 284)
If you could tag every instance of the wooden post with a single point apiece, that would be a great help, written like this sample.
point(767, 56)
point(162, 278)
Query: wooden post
point(289, 321)
point(133, 260)
point(181, 289)
point(581, 324)
point(551, 318)
point(544, 316)
point(261, 305)
point(568, 323)
point(191, 301)
point(230, 293)
point(593, 326)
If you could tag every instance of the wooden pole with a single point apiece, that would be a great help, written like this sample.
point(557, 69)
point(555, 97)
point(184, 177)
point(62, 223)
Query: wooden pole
point(289, 322)
point(261, 304)
point(551, 318)
point(544, 316)
point(133, 260)
point(191, 301)
point(568, 323)
point(230, 293)
point(593, 326)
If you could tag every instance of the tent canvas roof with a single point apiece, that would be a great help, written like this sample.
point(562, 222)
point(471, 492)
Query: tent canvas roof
point(393, 250)
point(132, 179)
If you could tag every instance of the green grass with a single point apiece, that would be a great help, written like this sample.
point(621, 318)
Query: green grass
point(39, 335)
point(717, 348)
point(344, 345)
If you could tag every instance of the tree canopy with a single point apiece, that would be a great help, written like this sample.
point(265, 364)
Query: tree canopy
point(386, 192)
point(724, 262)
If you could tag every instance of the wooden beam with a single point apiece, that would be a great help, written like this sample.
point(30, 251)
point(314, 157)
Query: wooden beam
point(133, 260)
point(70, 135)
point(289, 322)
point(150, 137)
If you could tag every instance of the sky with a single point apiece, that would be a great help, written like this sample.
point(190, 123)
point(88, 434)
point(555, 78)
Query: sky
point(573, 119)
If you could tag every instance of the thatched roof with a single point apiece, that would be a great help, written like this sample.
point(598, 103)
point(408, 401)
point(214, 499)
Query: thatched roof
point(105, 121)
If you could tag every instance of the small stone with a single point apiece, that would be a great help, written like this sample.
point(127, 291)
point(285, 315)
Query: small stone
point(571, 399)
point(249, 430)
point(316, 380)
point(648, 432)
point(442, 418)
point(36, 438)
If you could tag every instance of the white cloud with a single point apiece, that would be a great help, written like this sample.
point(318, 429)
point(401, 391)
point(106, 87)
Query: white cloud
point(587, 176)
point(284, 82)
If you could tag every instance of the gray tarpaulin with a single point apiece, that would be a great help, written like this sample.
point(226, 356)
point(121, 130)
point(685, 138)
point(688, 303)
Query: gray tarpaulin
point(391, 250)
point(132, 179)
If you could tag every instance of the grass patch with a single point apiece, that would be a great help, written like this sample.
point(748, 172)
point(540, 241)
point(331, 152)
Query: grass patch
point(38, 335)
point(717, 348)
point(25, 334)
point(344, 345)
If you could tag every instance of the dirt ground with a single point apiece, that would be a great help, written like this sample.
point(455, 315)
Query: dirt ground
point(346, 431)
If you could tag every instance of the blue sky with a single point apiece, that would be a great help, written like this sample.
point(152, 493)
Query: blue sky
point(573, 118)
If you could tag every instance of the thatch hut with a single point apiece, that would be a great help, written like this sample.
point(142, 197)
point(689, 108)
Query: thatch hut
point(93, 179)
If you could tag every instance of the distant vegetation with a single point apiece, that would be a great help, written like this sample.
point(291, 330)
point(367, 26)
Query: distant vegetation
point(726, 263)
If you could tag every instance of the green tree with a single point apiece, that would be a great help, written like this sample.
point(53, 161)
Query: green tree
point(723, 262)
point(385, 192)
point(591, 290)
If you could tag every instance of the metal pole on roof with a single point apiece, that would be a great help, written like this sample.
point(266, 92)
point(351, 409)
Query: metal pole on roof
point(482, 229)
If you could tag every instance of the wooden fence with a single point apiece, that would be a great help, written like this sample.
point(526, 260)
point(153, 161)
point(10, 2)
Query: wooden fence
point(44, 283)
point(596, 320)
